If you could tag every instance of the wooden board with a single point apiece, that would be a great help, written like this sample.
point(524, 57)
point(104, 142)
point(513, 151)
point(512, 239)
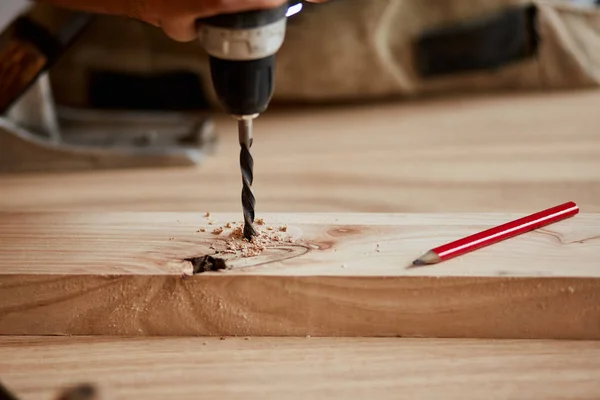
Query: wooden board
point(299, 368)
point(511, 153)
point(127, 274)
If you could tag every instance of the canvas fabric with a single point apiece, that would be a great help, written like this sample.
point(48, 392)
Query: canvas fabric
point(355, 50)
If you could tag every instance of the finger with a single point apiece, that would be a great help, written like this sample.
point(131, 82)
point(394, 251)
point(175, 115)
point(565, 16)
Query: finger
point(230, 6)
point(180, 29)
point(184, 29)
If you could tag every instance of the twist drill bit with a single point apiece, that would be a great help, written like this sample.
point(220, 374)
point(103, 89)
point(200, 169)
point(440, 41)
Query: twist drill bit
point(247, 166)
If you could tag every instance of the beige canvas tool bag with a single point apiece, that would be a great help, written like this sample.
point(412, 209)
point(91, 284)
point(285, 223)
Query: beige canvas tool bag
point(349, 50)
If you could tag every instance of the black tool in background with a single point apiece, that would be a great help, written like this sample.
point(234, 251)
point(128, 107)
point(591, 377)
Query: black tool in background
point(5, 394)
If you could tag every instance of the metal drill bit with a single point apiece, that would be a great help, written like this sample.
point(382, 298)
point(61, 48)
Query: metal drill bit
point(247, 166)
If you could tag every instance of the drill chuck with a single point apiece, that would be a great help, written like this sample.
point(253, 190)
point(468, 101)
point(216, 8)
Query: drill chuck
point(244, 87)
point(242, 50)
point(246, 36)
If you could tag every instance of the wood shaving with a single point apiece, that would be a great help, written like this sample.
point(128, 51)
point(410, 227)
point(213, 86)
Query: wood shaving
point(238, 232)
point(211, 222)
point(238, 245)
point(260, 221)
point(283, 228)
point(217, 231)
point(228, 225)
point(207, 215)
point(270, 228)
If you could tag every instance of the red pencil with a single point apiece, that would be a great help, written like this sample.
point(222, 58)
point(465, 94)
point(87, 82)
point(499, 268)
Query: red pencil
point(493, 235)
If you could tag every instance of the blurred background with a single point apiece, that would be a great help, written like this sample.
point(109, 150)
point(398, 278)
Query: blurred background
point(8, 9)
point(379, 106)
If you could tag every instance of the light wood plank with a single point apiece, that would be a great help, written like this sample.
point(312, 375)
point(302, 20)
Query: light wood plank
point(511, 153)
point(126, 274)
point(299, 368)
point(137, 243)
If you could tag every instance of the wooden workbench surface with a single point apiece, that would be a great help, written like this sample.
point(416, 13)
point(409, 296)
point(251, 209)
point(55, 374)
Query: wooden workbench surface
point(303, 368)
point(497, 154)
point(484, 154)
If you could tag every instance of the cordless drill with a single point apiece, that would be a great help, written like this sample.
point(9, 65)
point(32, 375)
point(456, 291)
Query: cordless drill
point(242, 48)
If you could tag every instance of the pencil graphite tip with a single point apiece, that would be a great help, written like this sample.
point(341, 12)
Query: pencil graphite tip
point(416, 264)
point(428, 258)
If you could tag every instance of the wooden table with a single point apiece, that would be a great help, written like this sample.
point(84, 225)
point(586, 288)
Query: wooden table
point(507, 153)
point(483, 154)
point(304, 368)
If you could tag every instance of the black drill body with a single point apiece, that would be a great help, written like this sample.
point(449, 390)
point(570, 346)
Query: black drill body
point(244, 87)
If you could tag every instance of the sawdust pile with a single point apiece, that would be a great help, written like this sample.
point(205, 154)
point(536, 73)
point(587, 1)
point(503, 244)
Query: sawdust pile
point(235, 243)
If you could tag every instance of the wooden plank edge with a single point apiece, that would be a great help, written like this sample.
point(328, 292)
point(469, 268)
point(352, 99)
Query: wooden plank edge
point(330, 306)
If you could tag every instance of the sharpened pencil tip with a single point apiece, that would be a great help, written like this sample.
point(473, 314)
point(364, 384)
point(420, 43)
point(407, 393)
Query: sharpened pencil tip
point(416, 264)
point(428, 258)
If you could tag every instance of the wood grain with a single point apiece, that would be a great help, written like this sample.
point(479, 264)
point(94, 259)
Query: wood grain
point(298, 368)
point(127, 274)
point(469, 154)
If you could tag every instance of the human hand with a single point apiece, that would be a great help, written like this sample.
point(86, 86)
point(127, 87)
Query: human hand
point(176, 17)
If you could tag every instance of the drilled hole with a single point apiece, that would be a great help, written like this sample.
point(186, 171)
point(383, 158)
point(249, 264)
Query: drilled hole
point(206, 264)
